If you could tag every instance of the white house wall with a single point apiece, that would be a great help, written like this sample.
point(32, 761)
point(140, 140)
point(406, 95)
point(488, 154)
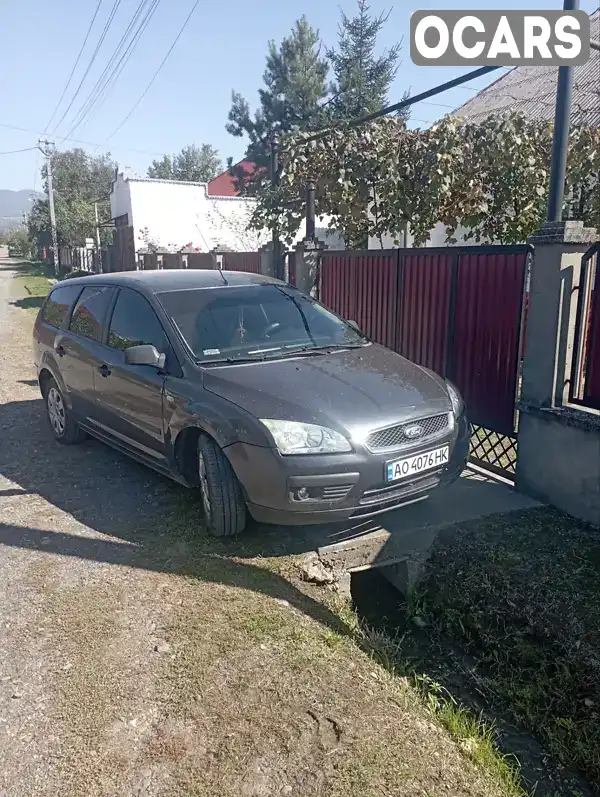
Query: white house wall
point(171, 215)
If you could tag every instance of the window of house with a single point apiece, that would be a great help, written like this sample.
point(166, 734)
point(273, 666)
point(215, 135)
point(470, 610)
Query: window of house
point(90, 312)
point(134, 323)
point(58, 305)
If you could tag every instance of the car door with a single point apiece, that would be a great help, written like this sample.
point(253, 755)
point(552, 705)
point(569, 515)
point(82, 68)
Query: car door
point(129, 397)
point(79, 349)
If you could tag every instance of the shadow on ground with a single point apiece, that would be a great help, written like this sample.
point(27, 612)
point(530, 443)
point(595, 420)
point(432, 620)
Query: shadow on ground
point(29, 302)
point(151, 521)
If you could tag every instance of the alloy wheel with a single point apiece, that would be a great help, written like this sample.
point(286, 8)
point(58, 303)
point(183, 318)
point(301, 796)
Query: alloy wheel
point(56, 411)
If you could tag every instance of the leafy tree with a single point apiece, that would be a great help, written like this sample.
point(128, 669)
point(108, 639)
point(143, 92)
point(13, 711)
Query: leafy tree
point(193, 164)
point(490, 178)
point(19, 242)
point(362, 79)
point(295, 81)
point(79, 181)
point(161, 169)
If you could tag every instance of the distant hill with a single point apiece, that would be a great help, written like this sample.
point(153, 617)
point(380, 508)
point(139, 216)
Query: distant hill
point(12, 206)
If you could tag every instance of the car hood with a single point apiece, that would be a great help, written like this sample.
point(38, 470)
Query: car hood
point(364, 387)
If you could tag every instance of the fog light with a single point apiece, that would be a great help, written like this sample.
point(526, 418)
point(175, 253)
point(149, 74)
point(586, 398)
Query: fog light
point(302, 494)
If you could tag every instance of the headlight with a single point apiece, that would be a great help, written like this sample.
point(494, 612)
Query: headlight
point(292, 437)
point(456, 399)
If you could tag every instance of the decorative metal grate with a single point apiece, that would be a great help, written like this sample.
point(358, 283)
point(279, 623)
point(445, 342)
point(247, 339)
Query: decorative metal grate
point(493, 451)
point(395, 437)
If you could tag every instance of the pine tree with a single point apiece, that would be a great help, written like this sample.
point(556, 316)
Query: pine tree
point(361, 78)
point(295, 81)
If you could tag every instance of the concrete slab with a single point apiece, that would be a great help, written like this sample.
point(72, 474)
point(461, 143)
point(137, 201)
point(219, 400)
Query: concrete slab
point(408, 533)
point(403, 535)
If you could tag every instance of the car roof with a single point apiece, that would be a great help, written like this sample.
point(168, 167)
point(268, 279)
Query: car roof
point(174, 279)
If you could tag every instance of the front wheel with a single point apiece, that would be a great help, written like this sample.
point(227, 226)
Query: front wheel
point(224, 506)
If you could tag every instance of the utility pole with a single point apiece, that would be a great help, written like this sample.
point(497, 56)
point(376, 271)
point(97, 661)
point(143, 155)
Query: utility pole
point(98, 237)
point(274, 169)
point(560, 141)
point(48, 149)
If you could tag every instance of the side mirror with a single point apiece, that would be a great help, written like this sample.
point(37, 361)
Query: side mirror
point(354, 325)
point(145, 355)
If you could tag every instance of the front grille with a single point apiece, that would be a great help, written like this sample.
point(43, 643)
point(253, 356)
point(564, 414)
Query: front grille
point(395, 436)
point(395, 491)
point(388, 498)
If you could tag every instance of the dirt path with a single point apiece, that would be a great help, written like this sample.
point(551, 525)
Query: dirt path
point(78, 663)
point(139, 657)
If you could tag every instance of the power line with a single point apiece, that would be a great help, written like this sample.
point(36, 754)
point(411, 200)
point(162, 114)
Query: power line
point(104, 78)
point(108, 78)
point(107, 25)
point(484, 70)
point(68, 83)
point(79, 141)
point(12, 151)
point(155, 75)
point(122, 63)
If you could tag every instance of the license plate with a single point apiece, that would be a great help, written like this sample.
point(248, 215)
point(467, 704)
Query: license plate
point(419, 463)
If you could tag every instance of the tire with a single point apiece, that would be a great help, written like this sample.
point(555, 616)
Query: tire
point(64, 427)
point(224, 506)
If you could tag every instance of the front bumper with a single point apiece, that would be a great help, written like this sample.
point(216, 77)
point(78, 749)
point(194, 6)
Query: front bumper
point(341, 486)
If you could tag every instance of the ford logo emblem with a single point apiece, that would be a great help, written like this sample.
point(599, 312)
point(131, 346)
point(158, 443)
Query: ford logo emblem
point(414, 431)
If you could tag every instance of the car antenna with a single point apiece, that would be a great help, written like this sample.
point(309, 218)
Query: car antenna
point(222, 277)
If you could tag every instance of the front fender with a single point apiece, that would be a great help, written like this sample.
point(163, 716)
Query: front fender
point(225, 422)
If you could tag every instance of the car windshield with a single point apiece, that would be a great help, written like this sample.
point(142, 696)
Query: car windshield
point(255, 322)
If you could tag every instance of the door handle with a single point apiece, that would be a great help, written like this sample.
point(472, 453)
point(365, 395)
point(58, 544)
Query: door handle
point(104, 370)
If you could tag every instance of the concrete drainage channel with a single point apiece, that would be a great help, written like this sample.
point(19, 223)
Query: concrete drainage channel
point(398, 544)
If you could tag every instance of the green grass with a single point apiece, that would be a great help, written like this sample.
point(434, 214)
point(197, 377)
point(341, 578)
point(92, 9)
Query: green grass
point(32, 283)
point(272, 644)
point(521, 593)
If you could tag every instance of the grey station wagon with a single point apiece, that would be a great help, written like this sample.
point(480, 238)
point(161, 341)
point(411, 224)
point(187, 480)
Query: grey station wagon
point(248, 389)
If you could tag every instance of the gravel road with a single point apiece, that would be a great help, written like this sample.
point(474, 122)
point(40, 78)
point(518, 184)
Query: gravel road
point(78, 661)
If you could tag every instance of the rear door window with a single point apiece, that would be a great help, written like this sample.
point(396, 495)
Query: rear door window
point(90, 311)
point(58, 305)
point(134, 323)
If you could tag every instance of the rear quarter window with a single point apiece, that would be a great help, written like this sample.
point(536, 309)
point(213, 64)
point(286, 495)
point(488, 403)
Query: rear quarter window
point(57, 308)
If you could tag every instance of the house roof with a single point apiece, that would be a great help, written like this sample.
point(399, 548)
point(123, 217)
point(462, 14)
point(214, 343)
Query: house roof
point(225, 185)
point(532, 91)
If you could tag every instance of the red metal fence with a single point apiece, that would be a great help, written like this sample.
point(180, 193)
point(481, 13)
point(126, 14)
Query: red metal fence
point(585, 376)
point(455, 310)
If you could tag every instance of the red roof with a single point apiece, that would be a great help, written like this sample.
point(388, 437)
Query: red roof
point(225, 185)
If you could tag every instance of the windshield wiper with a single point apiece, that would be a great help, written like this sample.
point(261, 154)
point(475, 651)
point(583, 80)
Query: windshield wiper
point(307, 351)
point(233, 360)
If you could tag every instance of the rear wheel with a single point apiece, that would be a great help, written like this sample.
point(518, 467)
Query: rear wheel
point(64, 427)
point(222, 499)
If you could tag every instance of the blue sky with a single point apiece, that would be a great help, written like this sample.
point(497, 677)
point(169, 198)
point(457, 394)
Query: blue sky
point(222, 48)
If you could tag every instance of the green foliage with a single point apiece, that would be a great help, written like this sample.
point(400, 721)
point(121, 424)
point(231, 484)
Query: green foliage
point(362, 79)
point(295, 86)
point(161, 169)
point(19, 242)
point(79, 180)
point(192, 164)
point(490, 178)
